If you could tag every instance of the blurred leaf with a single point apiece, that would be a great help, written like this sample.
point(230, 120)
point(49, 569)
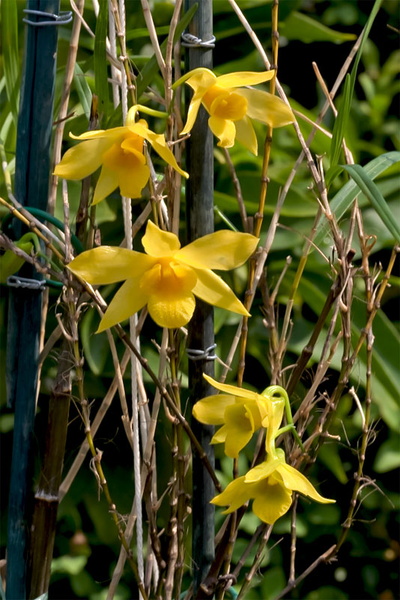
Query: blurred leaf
point(388, 455)
point(9, 38)
point(68, 564)
point(305, 29)
point(329, 455)
point(368, 187)
point(95, 345)
point(326, 592)
point(274, 580)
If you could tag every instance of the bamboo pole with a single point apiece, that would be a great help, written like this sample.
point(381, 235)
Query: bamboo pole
point(200, 219)
point(24, 319)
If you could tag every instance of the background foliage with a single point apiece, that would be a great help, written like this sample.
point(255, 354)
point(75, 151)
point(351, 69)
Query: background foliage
point(310, 30)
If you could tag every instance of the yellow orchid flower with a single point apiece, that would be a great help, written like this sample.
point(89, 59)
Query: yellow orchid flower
point(271, 485)
point(241, 412)
point(120, 153)
point(167, 277)
point(231, 105)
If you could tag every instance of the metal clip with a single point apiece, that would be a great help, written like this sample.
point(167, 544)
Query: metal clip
point(191, 41)
point(23, 282)
point(63, 18)
point(202, 354)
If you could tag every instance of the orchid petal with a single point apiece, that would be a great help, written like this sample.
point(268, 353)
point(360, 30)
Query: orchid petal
point(231, 389)
point(224, 130)
point(159, 144)
point(112, 135)
point(267, 108)
point(193, 109)
point(126, 302)
point(219, 436)
point(241, 78)
point(109, 264)
point(106, 184)
point(296, 481)
point(246, 135)
point(271, 501)
point(239, 429)
point(262, 471)
point(235, 495)
point(159, 243)
point(222, 250)
point(201, 78)
point(211, 410)
point(171, 312)
point(212, 289)
point(82, 160)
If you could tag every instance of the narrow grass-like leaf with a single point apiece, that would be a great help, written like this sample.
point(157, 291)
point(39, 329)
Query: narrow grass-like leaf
point(100, 59)
point(345, 197)
point(9, 36)
point(83, 90)
point(368, 187)
point(151, 68)
point(343, 115)
point(340, 127)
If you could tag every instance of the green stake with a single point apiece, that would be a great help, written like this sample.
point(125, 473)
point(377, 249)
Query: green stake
point(200, 217)
point(31, 187)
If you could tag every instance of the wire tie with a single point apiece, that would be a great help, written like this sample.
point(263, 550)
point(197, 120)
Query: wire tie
point(23, 282)
point(63, 18)
point(202, 354)
point(191, 41)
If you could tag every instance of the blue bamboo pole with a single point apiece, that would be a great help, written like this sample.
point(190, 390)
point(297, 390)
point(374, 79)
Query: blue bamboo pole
point(200, 218)
point(24, 320)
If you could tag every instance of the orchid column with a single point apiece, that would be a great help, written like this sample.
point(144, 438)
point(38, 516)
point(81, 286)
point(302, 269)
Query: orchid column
point(200, 217)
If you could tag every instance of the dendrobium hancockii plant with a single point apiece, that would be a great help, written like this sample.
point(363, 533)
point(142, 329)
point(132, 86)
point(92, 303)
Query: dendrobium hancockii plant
point(120, 153)
point(270, 484)
point(231, 105)
point(166, 277)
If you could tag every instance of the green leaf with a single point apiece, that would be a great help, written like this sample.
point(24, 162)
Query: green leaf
point(371, 191)
point(302, 27)
point(343, 200)
point(9, 35)
point(339, 128)
point(388, 455)
point(100, 58)
point(83, 90)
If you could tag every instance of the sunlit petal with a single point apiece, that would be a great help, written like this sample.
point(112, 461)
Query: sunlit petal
point(171, 312)
point(160, 146)
point(126, 302)
point(215, 291)
point(83, 159)
point(193, 110)
point(159, 243)
point(294, 480)
point(109, 264)
point(231, 389)
point(201, 78)
point(224, 130)
point(271, 501)
point(267, 108)
point(108, 181)
point(262, 471)
point(211, 410)
point(222, 250)
point(241, 78)
point(239, 429)
point(246, 135)
point(235, 495)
